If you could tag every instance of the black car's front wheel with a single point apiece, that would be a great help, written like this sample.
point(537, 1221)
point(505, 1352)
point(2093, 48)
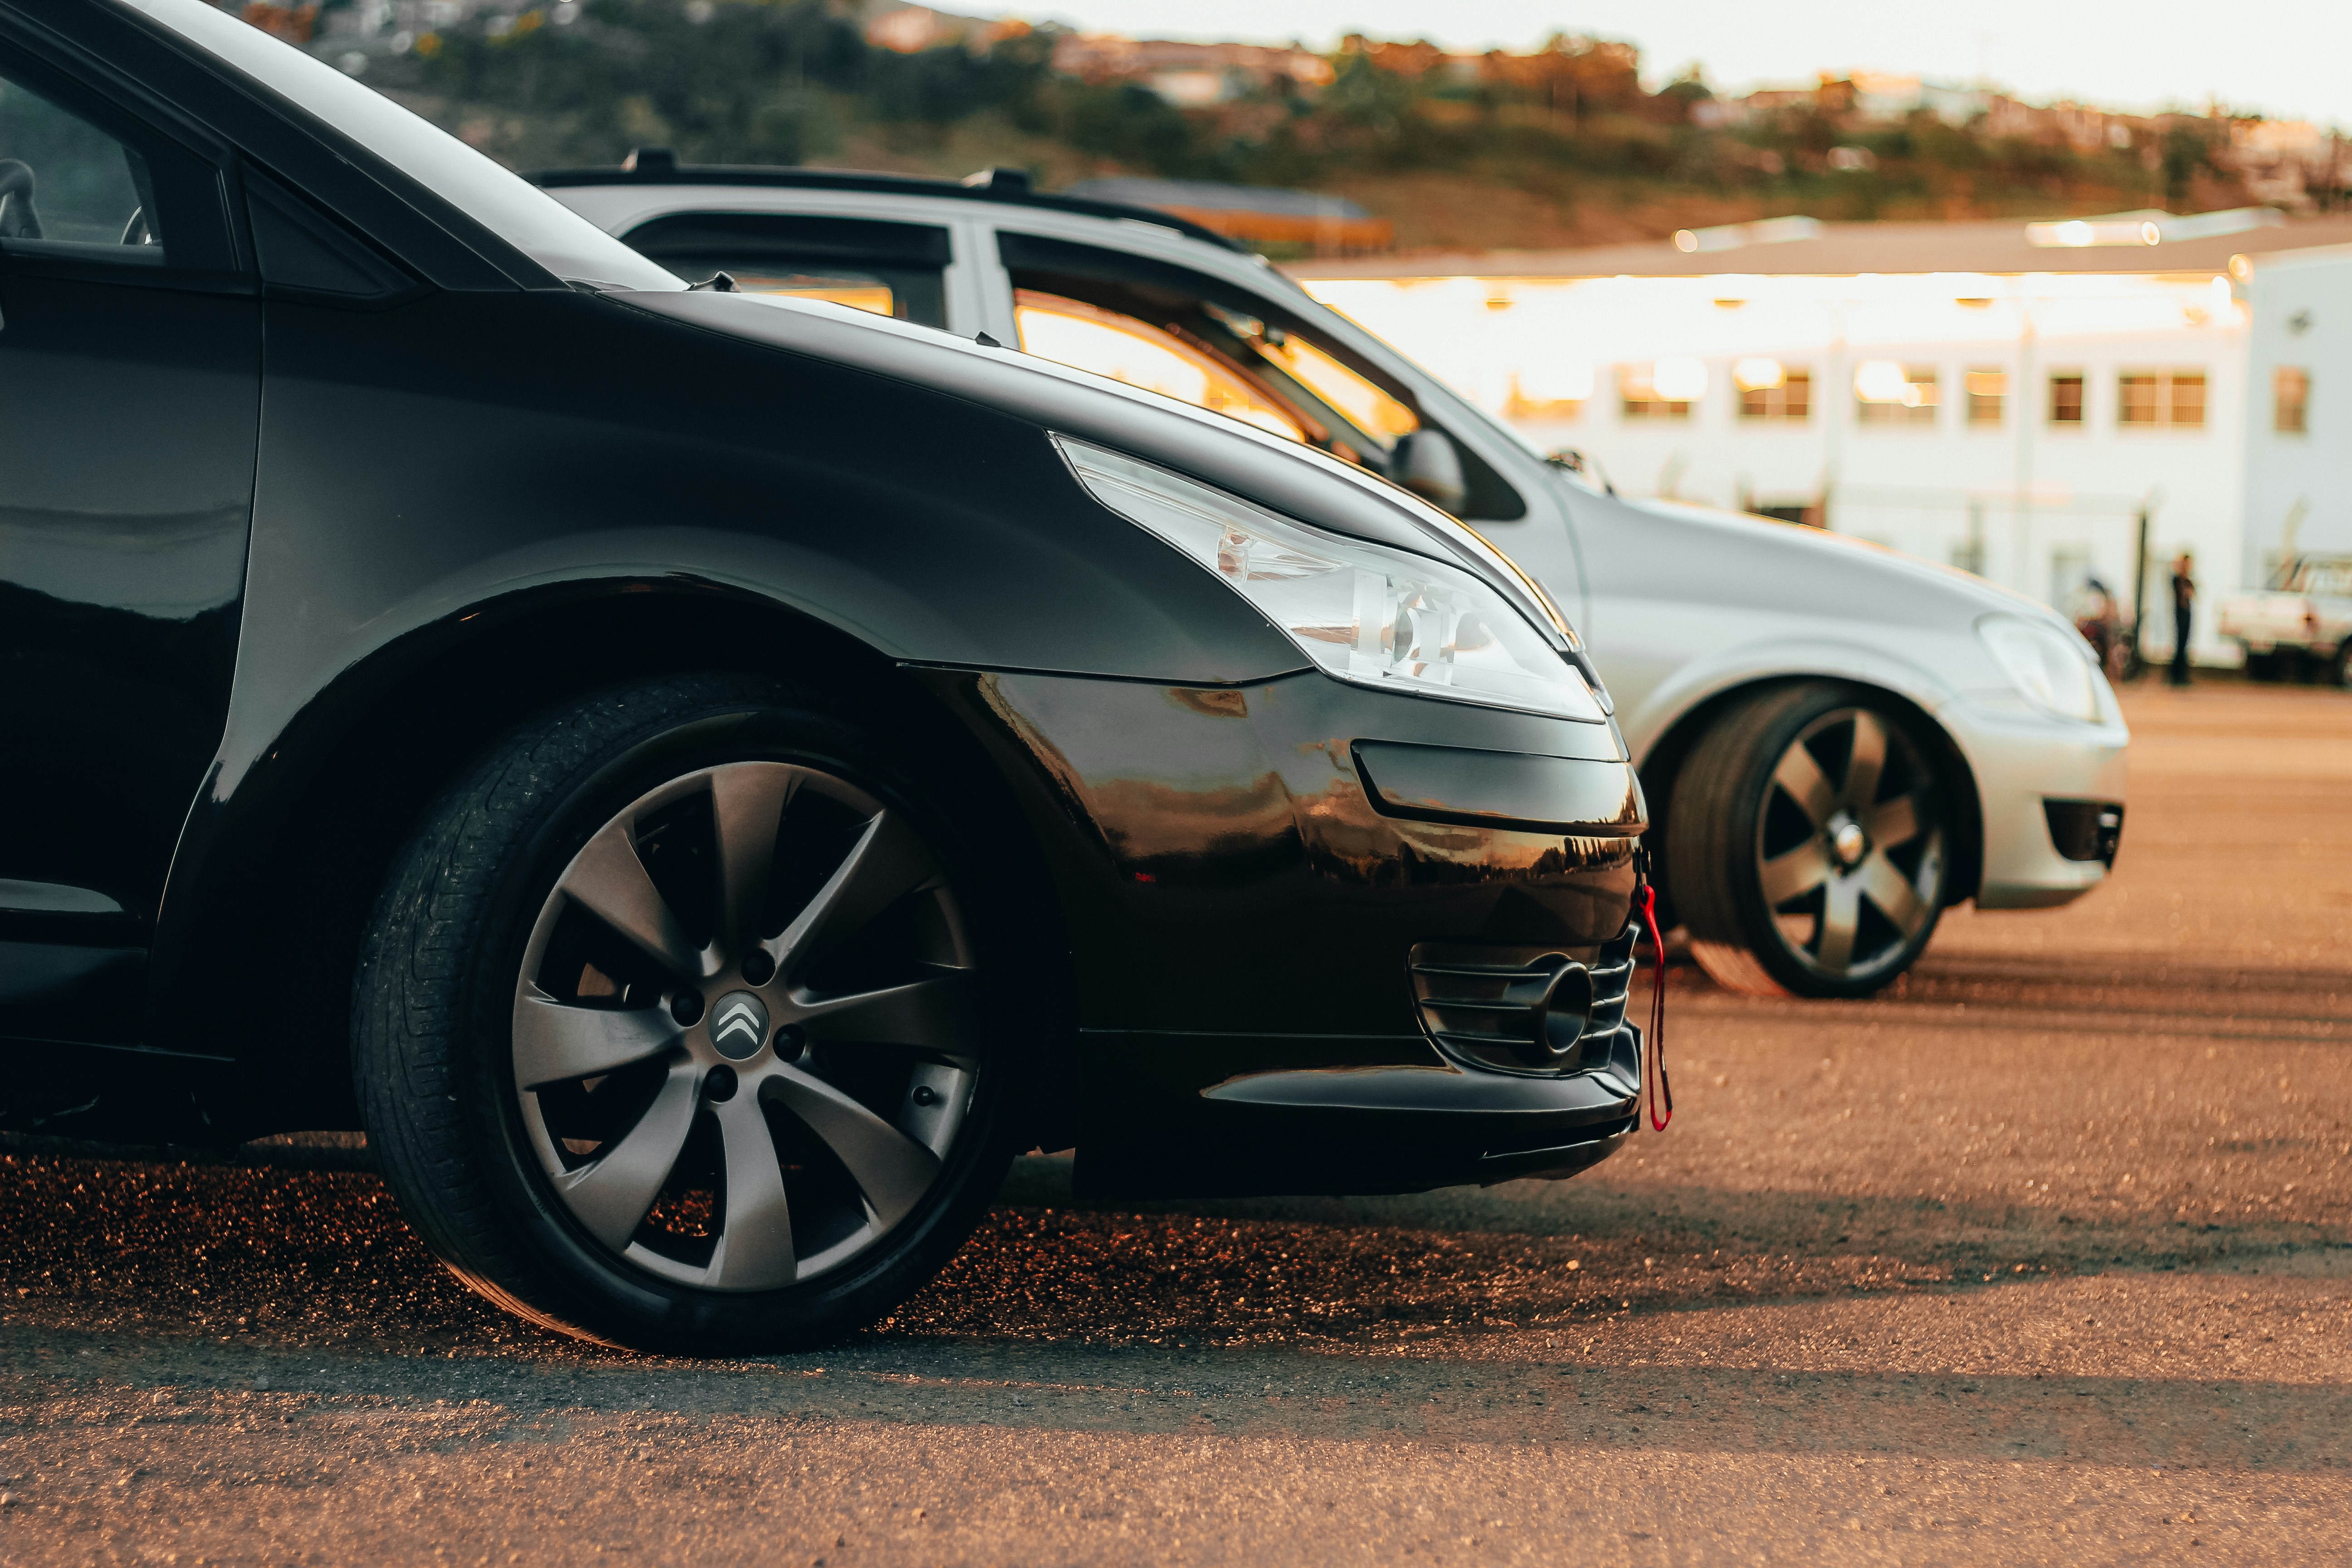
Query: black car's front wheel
point(1808, 844)
point(672, 1028)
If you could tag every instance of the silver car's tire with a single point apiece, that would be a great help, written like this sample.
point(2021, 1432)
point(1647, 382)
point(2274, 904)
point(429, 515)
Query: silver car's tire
point(1809, 843)
point(673, 1027)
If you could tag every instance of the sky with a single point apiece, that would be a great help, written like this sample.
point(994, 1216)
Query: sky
point(2289, 59)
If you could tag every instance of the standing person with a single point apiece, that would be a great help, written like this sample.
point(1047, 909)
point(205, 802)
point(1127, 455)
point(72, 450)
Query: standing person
point(2184, 600)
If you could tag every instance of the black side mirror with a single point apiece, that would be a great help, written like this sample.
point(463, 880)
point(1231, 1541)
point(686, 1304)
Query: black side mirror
point(1425, 463)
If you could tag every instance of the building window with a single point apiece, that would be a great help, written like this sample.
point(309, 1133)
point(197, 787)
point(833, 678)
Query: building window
point(1886, 393)
point(2066, 399)
point(2290, 401)
point(2148, 398)
point(1520, 406)
point(1660, 391)
point(1988, 391)
point(1548, 390)
point(2069, 573)
point(2185, 398)
point(1768, 390)
point(2135, 399)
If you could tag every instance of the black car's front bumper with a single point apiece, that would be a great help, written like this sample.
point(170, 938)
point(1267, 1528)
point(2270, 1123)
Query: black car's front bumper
point(1235, 1115)
point(1312, 928)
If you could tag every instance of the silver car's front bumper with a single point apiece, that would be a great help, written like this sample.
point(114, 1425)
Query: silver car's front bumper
point(2023, 760)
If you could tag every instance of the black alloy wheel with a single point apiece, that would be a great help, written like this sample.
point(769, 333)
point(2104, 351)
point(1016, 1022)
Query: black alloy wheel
point(1809, 844)
point(672, 1028)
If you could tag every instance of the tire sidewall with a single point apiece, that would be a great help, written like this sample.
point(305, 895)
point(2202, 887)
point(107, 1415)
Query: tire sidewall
point(595, 1291)
point(1738, 839)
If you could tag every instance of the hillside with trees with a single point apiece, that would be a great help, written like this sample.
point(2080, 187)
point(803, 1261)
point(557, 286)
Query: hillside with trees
point(1562, 145)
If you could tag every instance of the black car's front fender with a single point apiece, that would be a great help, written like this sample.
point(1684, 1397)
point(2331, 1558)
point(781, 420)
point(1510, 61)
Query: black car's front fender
point(434, 474)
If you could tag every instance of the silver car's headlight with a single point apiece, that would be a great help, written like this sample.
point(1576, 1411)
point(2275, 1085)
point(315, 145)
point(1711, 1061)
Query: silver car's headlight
point(2054, 670)
point(1362, 612)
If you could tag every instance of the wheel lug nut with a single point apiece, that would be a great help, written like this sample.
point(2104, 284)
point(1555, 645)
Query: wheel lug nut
point(719, 1086)
point(789, 1042)
point(925, 1095)
point(686, 1006)
point(758, 967)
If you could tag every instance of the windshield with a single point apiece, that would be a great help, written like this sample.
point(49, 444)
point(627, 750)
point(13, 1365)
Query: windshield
point(1487, 421)
point(1198, 337)
point(2330, 579)
point(508, 206)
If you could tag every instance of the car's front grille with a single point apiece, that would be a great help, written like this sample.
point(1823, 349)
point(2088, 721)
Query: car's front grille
point(1524, 1009)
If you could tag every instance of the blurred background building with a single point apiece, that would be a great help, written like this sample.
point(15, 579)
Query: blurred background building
point(2006, 398)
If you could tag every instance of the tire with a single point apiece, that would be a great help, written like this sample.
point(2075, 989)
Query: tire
point(2340, 668)
point(2262, 667)
point(672, 1024)
point(1800, 867)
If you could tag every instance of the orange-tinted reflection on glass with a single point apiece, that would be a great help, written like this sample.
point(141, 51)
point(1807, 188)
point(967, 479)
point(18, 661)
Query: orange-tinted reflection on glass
point(1073, 333)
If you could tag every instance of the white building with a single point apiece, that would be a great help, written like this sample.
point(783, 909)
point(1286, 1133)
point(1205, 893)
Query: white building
point(2298, 479)
point(2001, 396)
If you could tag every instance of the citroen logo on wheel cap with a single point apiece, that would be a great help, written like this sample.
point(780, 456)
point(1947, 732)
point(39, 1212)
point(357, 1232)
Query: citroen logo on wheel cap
point(738, 1025)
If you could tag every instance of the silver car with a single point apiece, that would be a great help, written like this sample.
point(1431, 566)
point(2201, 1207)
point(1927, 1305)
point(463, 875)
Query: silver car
point(1838, 741)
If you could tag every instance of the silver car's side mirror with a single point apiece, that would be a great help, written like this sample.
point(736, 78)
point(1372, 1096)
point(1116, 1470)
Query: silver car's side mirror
point(1425, 463)
point(1577, 462)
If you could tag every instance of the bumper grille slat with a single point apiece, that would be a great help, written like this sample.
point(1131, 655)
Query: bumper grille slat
point(1526, 1009)
point(1463, 1005)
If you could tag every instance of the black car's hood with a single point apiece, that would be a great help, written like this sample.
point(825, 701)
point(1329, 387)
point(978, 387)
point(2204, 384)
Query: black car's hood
point(1299, 481)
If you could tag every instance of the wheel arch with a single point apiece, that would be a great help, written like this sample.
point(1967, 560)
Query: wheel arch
point(1663, 762)
point(275, 904)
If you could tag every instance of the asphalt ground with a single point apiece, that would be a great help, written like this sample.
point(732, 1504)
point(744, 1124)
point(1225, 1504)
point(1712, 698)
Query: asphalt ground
point(2044, 1255)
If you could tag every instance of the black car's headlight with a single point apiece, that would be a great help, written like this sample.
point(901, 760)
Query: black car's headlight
point(1362, 612)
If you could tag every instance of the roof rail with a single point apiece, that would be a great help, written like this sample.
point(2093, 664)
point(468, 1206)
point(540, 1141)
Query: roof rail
point(659, 166)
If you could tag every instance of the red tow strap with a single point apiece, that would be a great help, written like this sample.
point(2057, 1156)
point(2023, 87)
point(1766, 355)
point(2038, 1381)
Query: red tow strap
point(1645, 905)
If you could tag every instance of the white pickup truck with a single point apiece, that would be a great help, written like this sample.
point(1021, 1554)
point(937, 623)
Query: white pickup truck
point(2302, 625)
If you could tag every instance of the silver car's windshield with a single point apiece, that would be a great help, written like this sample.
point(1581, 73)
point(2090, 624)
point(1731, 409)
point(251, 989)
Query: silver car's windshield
point(508, 206)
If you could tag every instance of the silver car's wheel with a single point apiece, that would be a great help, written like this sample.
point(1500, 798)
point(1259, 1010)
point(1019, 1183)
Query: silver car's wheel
point(1851, 873)
point(695, 1100)
point(1808, 845)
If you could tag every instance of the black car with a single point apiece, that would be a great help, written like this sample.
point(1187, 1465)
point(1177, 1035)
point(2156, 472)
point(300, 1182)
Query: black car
point(699, 780)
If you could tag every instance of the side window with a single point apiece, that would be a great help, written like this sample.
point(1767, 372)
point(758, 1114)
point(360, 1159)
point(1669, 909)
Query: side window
point(68, 187)
point(1173, 331)
point(894, 270)
point(88, 191)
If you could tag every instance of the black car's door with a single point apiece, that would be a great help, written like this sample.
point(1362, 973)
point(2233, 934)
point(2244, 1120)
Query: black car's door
point(130, 392)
